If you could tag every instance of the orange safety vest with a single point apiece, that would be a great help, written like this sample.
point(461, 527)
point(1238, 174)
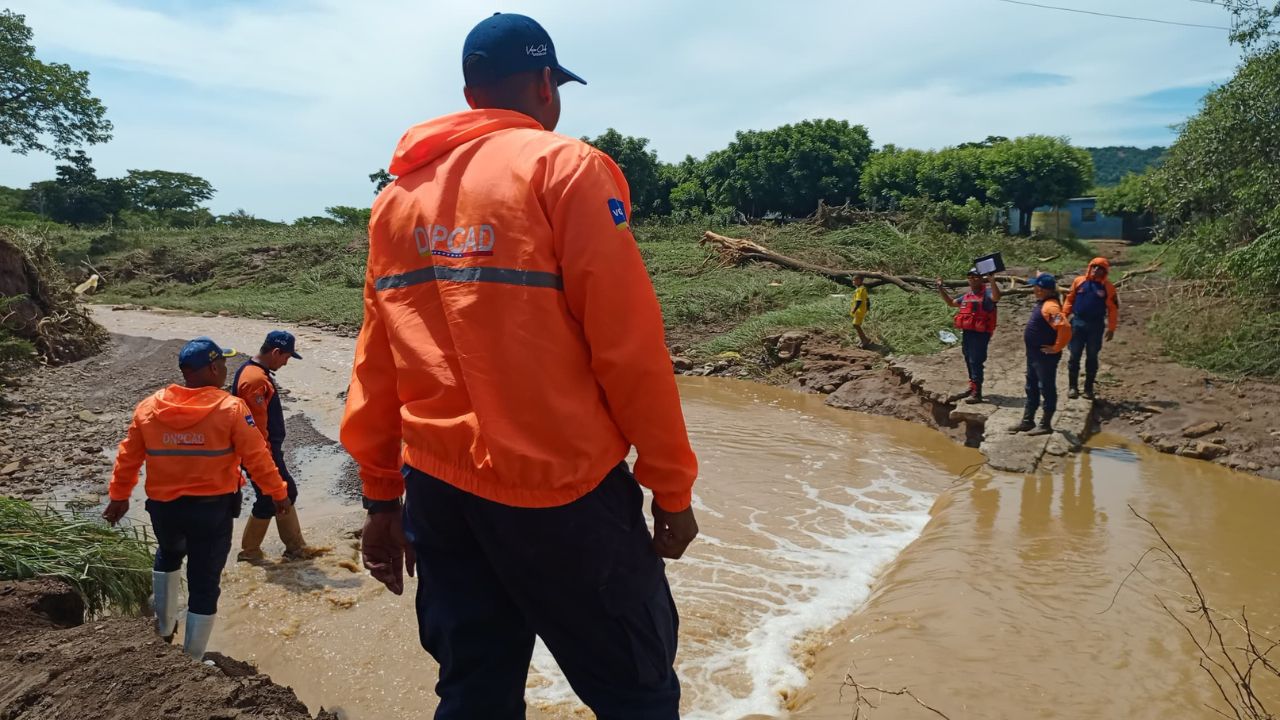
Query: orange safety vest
point(193, 442)
point(512, 343)
point(973, 315)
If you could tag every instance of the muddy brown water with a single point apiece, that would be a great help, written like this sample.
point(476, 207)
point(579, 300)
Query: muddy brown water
point(833, 544)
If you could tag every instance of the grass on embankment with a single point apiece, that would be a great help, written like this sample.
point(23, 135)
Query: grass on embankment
point(315, 274)
point(110, 568)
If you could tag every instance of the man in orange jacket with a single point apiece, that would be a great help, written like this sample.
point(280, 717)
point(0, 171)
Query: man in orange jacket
point(1091, 302)
point(512, 354)
point(192, 439)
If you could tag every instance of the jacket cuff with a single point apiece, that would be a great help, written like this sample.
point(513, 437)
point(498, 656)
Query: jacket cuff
point(381, 486)
point(674, 502)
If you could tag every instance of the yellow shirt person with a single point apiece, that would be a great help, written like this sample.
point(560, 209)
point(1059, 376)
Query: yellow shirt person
point(858, 308)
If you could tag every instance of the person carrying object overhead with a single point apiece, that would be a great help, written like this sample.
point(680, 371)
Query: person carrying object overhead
point(255, 383)
point(1046, 334)
point(977, 323)
point(1093, 307)
point(192, 438)
point(512, 354)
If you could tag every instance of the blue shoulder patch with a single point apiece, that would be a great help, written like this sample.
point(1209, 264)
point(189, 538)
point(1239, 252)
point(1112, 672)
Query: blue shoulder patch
point(619, 213)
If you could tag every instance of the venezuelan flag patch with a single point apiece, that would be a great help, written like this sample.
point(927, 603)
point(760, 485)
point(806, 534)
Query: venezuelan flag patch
point(619, 213)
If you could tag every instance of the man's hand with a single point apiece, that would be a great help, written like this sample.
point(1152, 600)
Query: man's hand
point(1111, 334)
point(672, 532)
point(1050, 350)
point(116, 509)
point(386, 551)
point(283, 507)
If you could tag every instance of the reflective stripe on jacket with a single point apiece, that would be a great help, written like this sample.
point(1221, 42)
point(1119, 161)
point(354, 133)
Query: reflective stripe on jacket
point(512, 344)
point(193, 442)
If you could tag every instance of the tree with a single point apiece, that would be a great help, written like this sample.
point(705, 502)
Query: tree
point(243, 219)
point(789, 169)
point(160, 191)
point(1254, 25)
point(1112, 164)
point(350, 216)
point(78, 196)
point(891, 175)
point(639, 165)
point(1035, 170)
point(380, 179)
point(1131, 196)
point(955, 174)
point(43, 106)
point(1221, 181)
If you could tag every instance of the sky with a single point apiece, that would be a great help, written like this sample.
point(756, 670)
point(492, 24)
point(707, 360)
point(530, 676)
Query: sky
point(286, 106)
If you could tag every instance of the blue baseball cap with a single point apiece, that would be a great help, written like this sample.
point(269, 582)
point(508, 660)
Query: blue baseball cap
point(1044, 281)
point(202, 352)
point(505, 44)
point(282, 340)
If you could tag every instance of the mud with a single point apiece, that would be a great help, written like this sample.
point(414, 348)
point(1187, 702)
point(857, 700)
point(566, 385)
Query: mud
point(1142, 394)
point(53, 666)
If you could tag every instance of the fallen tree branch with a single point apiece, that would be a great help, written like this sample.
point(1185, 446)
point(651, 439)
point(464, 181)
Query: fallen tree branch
point(1230, 667)
point(860, 700)
point(738, 251)
point(1131, 274)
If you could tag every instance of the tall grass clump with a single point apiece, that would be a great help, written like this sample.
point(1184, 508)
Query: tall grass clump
point(110, 568)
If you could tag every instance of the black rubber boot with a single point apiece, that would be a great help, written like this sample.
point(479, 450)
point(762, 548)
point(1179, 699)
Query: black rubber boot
point(1026, 424)
point(1073, 393)
point(1088, 390)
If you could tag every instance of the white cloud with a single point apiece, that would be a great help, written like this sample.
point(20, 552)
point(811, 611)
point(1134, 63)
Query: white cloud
point(287, 106)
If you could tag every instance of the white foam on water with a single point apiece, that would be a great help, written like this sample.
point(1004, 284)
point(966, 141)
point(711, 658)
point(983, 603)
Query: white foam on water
point(792, 570)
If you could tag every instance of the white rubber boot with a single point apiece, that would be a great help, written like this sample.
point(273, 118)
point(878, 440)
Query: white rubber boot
point(196, 638)
point(165, 587)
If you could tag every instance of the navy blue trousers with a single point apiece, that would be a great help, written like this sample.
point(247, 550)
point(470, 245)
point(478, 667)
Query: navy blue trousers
point(581, 576)
point(1042, 385)
point(197, 529)
point(264, 508)
point(1086, 338)
point(975, 344)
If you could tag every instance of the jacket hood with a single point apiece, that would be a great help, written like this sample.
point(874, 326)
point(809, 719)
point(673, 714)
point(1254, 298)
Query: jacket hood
point(427, 141)
point(181, 407)
point(1100, 262)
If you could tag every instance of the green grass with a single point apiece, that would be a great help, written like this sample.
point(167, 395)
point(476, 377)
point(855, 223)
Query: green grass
point(315, 274)
point(109, 568)
point(1235, 338)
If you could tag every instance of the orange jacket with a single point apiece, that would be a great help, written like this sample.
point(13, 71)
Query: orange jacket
point(193, 442)
point(1052, 313)
point(256, 389)
point(512, 343)
point(1113, 300)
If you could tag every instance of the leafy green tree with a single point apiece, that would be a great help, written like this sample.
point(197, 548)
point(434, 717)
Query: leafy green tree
point(160, 191)
point(955, 174)
point(43, 106)
point(243, 219)
point(1224, 169)
point(789, 169)
point(1035, 170)
point(350, 216)
point(380, 179)
point(1255, 25)
point(640, 166)
point(77, 196)
point(315, 221)
point(891, 175)
point(1131, 196)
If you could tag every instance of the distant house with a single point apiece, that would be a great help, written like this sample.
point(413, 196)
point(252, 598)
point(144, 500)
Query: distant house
point(1079, 217)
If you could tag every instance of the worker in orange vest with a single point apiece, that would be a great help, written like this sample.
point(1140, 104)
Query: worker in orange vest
point(1046, 334)
point(193, 439)
point(512, 354)
point(255, 383)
